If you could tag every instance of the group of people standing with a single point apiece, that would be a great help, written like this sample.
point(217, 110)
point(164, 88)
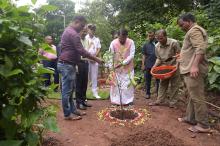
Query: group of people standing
point(192, 65)
point(80, 48)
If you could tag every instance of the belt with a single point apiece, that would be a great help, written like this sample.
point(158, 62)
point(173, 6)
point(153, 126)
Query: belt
point(64, 62)
point(84, 61)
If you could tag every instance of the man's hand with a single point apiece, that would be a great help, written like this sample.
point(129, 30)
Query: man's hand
point(194, 71)
point(99, 60)
point(118, 66)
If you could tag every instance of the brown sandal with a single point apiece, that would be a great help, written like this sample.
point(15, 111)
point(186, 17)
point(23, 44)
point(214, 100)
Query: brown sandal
point(73, 117)
point(199, 129)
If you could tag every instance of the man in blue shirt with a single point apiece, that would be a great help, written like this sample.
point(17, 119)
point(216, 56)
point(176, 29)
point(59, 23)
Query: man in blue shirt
point(148, 61)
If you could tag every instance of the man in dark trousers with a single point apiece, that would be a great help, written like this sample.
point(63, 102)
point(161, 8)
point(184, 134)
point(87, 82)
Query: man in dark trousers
point(50, 61)
point(82, 75)
point(71, 51)
point(148, 60)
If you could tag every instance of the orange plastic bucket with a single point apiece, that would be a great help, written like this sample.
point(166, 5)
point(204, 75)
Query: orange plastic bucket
point(163, 72)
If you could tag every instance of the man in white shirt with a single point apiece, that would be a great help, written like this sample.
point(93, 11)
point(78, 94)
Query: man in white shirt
point(94, 49)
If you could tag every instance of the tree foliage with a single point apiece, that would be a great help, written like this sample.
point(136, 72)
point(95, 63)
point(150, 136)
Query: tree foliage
point(96, 13)
point(58, 19)
point(22, 118)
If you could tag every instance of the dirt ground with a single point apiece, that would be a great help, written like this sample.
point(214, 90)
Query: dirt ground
point(162, 129)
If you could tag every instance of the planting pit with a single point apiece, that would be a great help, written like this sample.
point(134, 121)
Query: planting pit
point(124, 114)
point(125, 117)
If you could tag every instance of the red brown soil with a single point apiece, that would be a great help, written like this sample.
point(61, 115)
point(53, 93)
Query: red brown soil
point(124, 114)
point(149, 137)
point(162, 129)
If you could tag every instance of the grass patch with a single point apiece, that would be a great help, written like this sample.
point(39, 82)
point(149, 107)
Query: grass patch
point(103, 93)
point(54, 95)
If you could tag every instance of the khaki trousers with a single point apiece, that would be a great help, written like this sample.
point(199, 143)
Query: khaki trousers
point(174, 82)
point(196, 109)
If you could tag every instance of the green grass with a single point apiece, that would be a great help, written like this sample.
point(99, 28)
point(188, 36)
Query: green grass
point(54, 95)
point(103, 93)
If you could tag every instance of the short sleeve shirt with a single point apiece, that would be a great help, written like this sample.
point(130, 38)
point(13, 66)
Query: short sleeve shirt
point(166, 52)
point(149, 51)
point(94, 44)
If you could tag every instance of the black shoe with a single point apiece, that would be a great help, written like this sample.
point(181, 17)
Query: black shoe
point(147, 96)
point(79, 113)
point(87, 104)
point(81, 107)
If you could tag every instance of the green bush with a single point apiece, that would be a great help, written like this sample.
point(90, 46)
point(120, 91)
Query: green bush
point(214, 74)
point(22, 117)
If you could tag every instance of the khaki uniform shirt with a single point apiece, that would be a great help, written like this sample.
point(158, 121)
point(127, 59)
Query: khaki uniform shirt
point(195, 42)
point(165, 53)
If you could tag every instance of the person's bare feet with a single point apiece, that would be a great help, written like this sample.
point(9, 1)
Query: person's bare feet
point(199, 129)
point(184, 120)
point(156, 103)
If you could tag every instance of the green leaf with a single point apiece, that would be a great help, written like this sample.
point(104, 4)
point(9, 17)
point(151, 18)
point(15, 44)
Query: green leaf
point(15, 28)
point(47, 48)
point(217, 68)
point(31, 82)
point(2, 49)
point(32, 139)
point(39, 26)
point(212, 77)
point(210, 67)
point(14, 72)
point(43, 70)
point(8, 63)
point(31, 118)
point(215, 60)
point(8, 112)
point(48, 8)
point(34, 1)
point(25, 40)
point(11, 142)
point(210, 40)
point(51, 124)
point(16, 91)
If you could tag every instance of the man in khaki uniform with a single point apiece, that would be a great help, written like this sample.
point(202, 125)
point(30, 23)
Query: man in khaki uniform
point(194, 67)
point(166, 48)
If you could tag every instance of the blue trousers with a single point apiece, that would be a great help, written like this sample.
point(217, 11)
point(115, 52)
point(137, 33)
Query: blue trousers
point(68, 73)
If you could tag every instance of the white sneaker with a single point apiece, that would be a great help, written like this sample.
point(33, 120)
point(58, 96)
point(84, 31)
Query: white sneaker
point(97, 96)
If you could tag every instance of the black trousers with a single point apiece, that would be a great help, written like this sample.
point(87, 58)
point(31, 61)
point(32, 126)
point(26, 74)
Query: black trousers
point(51, 64)
point(82, 81)
point(148, 78)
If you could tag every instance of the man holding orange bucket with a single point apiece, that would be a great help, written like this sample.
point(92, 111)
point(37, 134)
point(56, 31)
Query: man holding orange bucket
point(166, 48)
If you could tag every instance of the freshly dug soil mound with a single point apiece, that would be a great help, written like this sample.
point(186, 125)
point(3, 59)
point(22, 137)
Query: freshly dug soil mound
point(124, 114)
point(148, 137)
point(164, 71)
point(51, 141)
